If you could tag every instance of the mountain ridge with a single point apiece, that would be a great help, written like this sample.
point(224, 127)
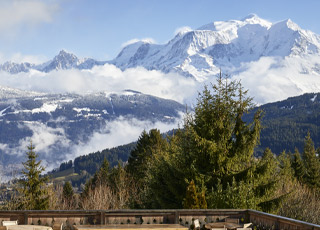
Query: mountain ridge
point(201, 52)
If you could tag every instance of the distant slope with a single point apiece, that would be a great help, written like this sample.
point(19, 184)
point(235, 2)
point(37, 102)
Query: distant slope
point(286, 123)
point(85, 166)
point(62, 125)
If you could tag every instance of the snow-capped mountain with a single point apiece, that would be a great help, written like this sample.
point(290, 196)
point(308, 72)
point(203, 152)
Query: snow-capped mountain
point(11, 93)
point(14, 68)
point(202, 52)
point(63, 60)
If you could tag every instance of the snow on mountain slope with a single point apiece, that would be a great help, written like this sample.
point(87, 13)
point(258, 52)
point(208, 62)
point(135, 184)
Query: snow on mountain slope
point(227, 45)
point(62, 61)
point(7, 93)
point(202, 52)
point(65, 60)
point(14, 68)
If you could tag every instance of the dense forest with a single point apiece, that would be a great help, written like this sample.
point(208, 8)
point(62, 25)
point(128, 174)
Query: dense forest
point(286, 123)
point(84, 167)
point(210, 162)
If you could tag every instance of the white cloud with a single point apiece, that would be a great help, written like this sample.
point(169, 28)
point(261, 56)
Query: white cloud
point(19, 14)
point(54, 147)
point(34, 59)
point(104, 78)
point(268, 79)
point(119, 132)
point(44, 138)
point(146, 40)
point(3, 147)
point(182, 30)
point(273, 78)
point(21, 58)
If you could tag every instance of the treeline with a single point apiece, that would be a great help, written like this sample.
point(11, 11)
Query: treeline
point(86, 166)
point(92, 162)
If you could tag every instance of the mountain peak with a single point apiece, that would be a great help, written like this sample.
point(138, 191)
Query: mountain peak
point(63, 60)
point(64, 54)
point(286, 24)
point(255, 19)
point(292, 25)
point(233, 25)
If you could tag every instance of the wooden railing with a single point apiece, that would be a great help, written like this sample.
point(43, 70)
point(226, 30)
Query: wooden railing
point(184, 217)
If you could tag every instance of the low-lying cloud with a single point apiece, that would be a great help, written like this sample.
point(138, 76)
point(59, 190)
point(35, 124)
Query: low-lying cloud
point(132, 41)
point(105, 78)
point(268, 79)
point(182, 30)
point(273, 78)
point(53, 146)
point(119, 132)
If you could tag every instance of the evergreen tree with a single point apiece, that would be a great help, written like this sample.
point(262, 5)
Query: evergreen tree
point(67, 193)
point(34, 186)
point(311, 163)
point(191, 201)
point(297, 165)
point(286, 169)
point(215, 149)
point(100, 177)
point(122, 187)
point(149, 148)
point(266, 183)
point(140, 158)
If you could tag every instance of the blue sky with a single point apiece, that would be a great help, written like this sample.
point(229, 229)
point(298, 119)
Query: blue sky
point(35, 30)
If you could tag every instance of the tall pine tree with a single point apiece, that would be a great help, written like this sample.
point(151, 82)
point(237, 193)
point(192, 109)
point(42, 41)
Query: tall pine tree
point(149, 147)
point(215, 150)
point(34, 185)
point(298, 165)
point(311, 163)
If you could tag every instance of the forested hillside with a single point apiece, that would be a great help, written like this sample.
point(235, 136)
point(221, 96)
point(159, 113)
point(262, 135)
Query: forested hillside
point(83, 167)
point(286, 123)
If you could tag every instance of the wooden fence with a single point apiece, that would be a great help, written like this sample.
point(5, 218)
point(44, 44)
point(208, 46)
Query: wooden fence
point(184, 217)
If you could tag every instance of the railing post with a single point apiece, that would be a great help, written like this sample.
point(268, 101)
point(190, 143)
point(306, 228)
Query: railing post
point(277, 224)
point(102, 217)
point(176, 219)
point(25, 218)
